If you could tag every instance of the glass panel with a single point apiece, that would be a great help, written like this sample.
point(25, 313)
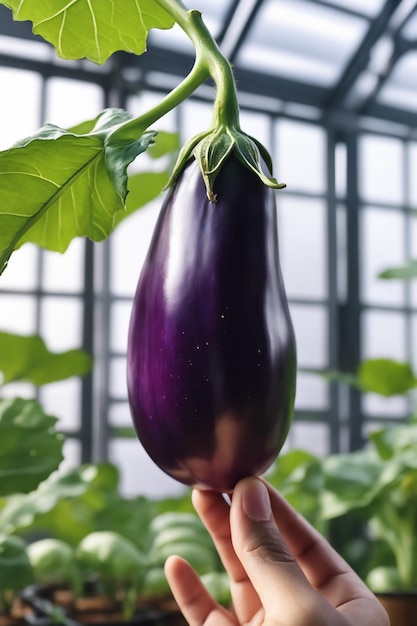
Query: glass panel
point(64, 272)
point(382, 246)
point(383, 335)
point(139, 474)
point(303, 246)
point(376, 406)
point(313, 49)
point(129, 246)
point(21, 390)
point(256, 125)
point(213, 15)
point(410, 29)
point(21, 272)
point(381, 169)
point(119, 326)
point(23, 48)
point(70, 102)
point(17, 314)
point(300, 156)
point(312, 392)
point(119, 414)
point(61, 323)
point(117, 381)
point(17, 119)
point(400, 88)
point(195, 118)
point(313, 438)
point(72, 455)
point(310, 326)
point(370, 7)
point(62, 399)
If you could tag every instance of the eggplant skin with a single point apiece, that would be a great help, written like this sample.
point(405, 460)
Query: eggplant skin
point(211, 350)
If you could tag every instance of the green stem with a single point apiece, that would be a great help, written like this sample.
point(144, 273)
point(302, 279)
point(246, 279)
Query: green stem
point(131, 130)
point(208, 56)
point(209, 61)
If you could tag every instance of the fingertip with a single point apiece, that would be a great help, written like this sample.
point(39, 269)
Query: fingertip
point(204, 499)
point(254, 499)
point(175, 566)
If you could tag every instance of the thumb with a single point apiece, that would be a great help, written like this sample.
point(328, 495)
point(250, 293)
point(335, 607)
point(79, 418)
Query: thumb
point(269, 564)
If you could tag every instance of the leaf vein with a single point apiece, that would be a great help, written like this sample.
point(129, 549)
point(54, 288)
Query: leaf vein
point(43, 211)
point(49, 18)
point(96, 38)
point(39, 175)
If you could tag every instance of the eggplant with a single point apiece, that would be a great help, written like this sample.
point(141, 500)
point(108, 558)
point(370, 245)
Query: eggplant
point(211, 363)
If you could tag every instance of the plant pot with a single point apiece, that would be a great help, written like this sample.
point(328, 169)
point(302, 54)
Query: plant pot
point(54, 605)
point(401, 608)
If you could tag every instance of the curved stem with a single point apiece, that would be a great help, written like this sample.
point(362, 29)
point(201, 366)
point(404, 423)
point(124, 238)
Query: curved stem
point(208, 56)
point(209, 61)
point(133, 128)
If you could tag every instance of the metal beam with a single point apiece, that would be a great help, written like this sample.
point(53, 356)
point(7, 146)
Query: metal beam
point(178, 64)
point(360, 59)
point(401, 47)
point(239, 25)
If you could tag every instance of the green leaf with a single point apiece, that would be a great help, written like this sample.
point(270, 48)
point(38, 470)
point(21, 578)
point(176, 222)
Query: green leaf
point(15, 568)
point(58, 185)
point(351, 481)
point(21, 511)
point(30, 449)
point(143, 188)
point(146, 186)
point(391, 441)
point(298, 475)
point(165, 143)
point(403, 272)
point(28, 359)
point(92, 28)
point(386, 377)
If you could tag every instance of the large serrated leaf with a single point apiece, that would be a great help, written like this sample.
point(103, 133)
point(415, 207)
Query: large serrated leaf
point(92, 29)
point(58, 185)
point(26, 358)
point(30, 448)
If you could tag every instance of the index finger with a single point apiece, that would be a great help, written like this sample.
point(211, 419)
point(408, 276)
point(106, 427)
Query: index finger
point(214, 512)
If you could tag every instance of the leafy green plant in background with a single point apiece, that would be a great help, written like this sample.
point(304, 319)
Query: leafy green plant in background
point(78, 526)
point(15, 569)
point(30, 446)
point(364, 501)
point(379, 484)
point(374, 489)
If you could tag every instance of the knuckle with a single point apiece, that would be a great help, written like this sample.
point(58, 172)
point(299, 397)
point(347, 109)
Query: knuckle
point(268, 545)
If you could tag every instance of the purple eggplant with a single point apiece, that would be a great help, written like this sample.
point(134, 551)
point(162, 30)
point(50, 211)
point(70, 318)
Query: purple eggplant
point(211, 348)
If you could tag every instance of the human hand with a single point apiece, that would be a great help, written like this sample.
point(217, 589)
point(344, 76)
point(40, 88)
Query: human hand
point(282, 571)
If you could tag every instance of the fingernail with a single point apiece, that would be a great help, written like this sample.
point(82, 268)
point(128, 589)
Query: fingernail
point(256, 503)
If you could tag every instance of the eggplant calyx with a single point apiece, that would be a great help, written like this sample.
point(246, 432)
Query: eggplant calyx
point(213, 147)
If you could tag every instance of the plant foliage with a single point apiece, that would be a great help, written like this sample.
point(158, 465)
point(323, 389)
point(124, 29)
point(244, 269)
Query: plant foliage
point(26, 358)
point(30, 448)
point(93, 29)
